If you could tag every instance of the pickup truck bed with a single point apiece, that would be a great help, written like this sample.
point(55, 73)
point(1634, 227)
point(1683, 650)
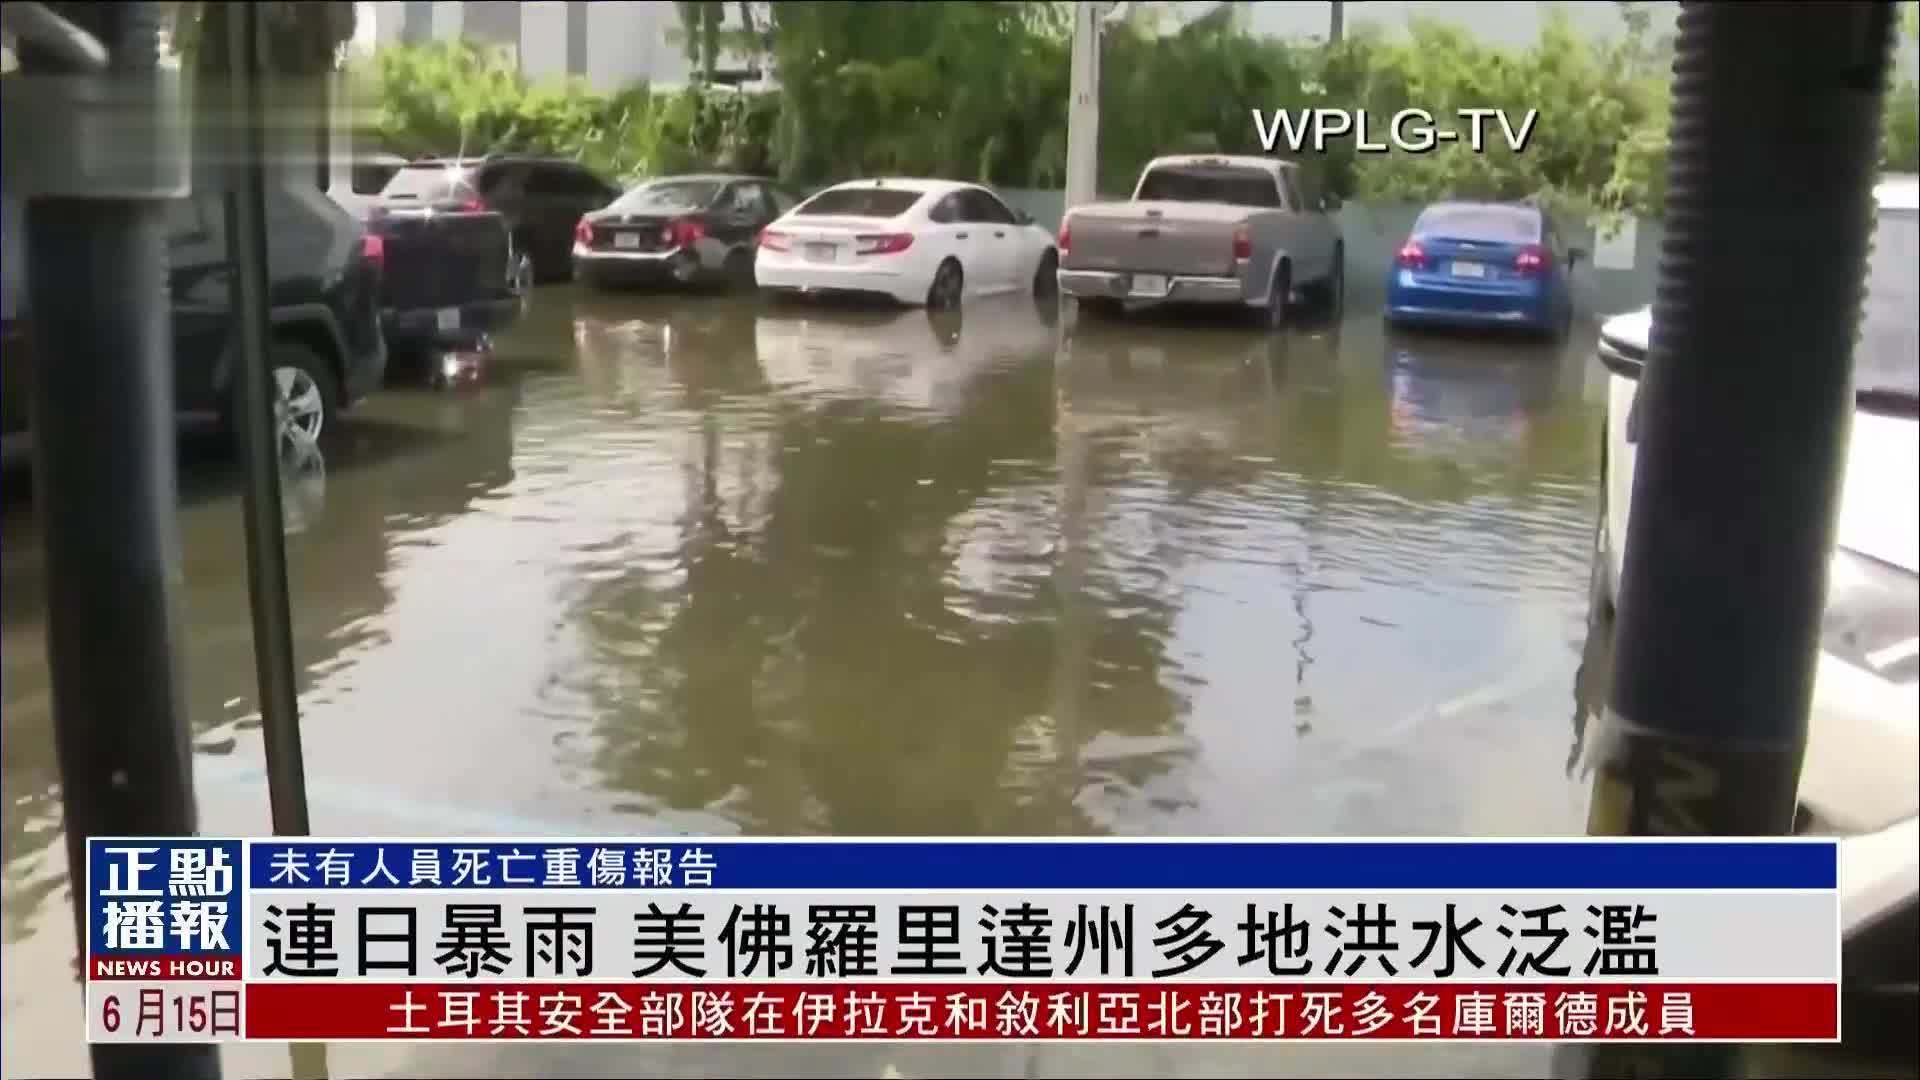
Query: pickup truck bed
point(1208, 229)
point(449, 273)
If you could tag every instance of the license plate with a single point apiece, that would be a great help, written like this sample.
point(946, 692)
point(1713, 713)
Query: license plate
point(1469, 269)
point(1149, 285)
point(820, 252)
point(448, 318)
point(627, 240)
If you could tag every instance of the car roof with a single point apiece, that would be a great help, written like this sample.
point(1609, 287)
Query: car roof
point(1247, 161)
point(451, 162)
point(701, 178)
point(924, 185)
point(1472, 204)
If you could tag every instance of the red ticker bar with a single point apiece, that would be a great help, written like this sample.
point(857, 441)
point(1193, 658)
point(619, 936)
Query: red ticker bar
point(1745, 1012)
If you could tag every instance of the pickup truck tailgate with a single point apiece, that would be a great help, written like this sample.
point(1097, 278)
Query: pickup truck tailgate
point(1154, 237)
point(442, 259)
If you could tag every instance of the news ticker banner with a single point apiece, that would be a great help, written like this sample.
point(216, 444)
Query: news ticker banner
point(221, 940)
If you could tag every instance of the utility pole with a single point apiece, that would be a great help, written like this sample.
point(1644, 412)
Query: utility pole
point(1083, 104)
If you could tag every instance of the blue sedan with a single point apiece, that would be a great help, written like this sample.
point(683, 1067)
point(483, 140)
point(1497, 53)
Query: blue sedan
point(1483, 264)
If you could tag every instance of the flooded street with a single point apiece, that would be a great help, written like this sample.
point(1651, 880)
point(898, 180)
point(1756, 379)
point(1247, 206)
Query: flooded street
point(702, 564)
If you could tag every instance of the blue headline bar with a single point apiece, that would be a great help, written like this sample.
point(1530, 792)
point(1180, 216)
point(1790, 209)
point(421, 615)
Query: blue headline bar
point(1012, 865)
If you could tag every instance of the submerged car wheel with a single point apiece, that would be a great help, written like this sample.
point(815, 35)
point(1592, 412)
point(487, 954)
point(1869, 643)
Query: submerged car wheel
point(1046, 279)
point(739, 269)
point(302, 393)
point(521, 280)
point(685, 268)
point(949, 284)
point(1274, 315)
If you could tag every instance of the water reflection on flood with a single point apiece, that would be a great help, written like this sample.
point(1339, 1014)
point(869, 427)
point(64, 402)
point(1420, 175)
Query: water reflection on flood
point(699, 564)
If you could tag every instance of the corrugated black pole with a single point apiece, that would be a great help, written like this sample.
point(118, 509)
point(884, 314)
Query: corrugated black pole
point(104, 446)
point(1745, 407)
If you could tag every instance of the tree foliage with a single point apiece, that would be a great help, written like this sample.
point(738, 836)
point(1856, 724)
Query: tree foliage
point(979, 91)
point(1901, 150)
point(454, 97)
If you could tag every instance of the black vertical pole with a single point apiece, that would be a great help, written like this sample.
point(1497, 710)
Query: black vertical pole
point(258, 428)
point(104, 446)
point(1745, 407)
point(258, 425)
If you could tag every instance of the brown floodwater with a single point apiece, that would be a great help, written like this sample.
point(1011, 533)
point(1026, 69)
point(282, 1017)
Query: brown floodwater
point(700, 564)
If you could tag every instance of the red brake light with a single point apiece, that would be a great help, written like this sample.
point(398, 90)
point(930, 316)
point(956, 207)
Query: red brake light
point(474, 205)
point(1065, 242)
point(1242, 243)
point(773, 241)
point(1531, 260)
point(883, 243)
point(583, 233)
point(1412, 255)
point(685, 231)
point(373, 247)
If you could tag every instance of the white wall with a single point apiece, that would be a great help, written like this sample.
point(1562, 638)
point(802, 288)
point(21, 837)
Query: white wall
point(628, 41)
point(543, 39)
point(448, 15)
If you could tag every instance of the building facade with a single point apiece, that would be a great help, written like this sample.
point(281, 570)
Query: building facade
point(609, 43)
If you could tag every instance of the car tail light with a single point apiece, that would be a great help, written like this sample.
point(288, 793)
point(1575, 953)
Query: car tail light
point(373, 247)
point(1531, 260)
point(773, 241)
point(583, 233)
point(684, 232)
point(883, 243)
point(1065, 242)
point(474, 205)
point(1242, 243)
point(1412, 256)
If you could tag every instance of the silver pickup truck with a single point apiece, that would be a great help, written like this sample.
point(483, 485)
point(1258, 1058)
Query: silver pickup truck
point(1208, 229)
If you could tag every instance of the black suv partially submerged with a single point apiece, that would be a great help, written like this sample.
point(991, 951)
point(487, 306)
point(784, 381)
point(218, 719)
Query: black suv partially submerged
point(327, 348)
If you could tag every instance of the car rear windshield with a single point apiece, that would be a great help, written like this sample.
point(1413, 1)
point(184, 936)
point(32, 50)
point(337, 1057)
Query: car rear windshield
point(371, 178)
point(1209, 184)
point(1492, 224)
point(427, 183)
point(667, 195)
point(861, 202)
point(1887, 361)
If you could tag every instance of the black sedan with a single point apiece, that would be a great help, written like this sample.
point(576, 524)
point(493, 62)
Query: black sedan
point(684, 229)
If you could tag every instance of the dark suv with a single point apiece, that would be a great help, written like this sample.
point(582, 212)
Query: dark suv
point(327, 350)
point(542, 199)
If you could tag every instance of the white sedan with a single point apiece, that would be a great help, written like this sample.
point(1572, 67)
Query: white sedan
point(922, 242)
